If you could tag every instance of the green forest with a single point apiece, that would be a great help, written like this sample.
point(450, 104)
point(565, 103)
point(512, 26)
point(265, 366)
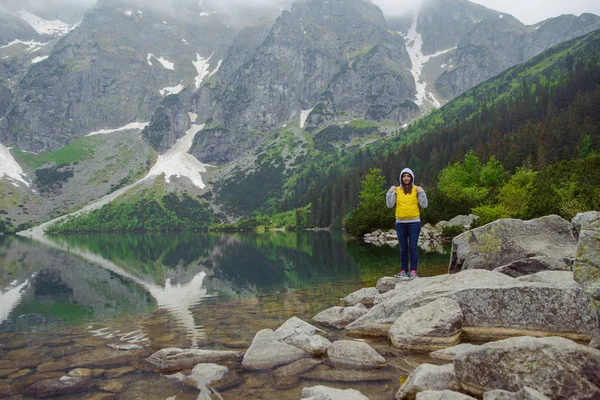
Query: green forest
point(538, 122)
point(523, 144)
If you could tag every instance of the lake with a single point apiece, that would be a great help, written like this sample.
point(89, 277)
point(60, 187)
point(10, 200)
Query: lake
point(205, 290)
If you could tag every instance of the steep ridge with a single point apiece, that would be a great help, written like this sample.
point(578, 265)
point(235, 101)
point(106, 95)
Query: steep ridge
point(324, 56)
point(113, 69)
point(497, 44)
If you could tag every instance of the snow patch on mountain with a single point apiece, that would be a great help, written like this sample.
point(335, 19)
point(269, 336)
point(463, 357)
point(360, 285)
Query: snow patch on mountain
point(171, 90)
point(38, 59)
point(414, 45)
point(202, 66)
point(303, 116)
point(45, 27)
point(216, 68)
point(133, 125)
point(31, 44)
point(178, 162)
point(163, 61)
point(10, 168)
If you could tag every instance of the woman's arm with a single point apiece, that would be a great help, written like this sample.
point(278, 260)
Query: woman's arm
point(422, 197)
point(390, 197)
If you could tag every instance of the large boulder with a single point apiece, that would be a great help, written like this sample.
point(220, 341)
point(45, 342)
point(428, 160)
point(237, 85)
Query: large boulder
point(428, 377)
point(557, 367)
point(354, 354)
point(507, 240)
point(586, 267)
point(267, 352)
point(327, 393)
point(434, 326)
point(493, 305)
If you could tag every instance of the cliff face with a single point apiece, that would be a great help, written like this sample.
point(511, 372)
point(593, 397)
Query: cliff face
point(113, 69)
point(494, 45)
point(336, 57)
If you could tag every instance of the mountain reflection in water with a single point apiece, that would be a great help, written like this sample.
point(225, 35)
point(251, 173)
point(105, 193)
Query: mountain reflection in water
point(71, 279)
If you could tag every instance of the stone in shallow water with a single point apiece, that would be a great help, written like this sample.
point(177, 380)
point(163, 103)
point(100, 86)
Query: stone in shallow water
point(174, 359)
point(267, 352)
point(118, 372)
point(97, 357)
point(327, 374)
point(303, 335)
point(428, 377)
point(434, 326)
point(288, 376)
point(112, 385)
point(339, 317)
point(557, 367)
point(356, 354)
point(63, 386)
point(326, 393)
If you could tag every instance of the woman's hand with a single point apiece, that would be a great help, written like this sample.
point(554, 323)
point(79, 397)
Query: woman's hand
point(392, 189)
point(419, 189)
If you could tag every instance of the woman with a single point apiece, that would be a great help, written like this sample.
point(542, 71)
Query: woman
point(407, 198)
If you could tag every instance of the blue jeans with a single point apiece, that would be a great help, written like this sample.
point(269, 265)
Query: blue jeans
point(408, 238)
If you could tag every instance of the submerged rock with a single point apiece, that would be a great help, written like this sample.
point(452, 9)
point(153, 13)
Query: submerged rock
point(434, 326)
point(267, 352)
point(63, 386)
point(557, 367)
point(506, 240)
point(174, 359)
point(327, 393)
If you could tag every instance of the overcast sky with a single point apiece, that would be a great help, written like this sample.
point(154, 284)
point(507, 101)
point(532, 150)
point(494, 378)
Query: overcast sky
point(526, 11)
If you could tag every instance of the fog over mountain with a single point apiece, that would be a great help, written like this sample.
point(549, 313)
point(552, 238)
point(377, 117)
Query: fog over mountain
point(529, 12)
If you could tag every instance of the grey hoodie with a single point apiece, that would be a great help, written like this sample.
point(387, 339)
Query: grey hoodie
point(390, 196)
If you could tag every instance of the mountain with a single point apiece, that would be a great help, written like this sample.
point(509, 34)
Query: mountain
point(320, 63)
point(112, 70)
point(166, 109)
point(494, 45)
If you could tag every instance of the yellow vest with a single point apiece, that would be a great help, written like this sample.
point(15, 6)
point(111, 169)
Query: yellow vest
point(407, 205)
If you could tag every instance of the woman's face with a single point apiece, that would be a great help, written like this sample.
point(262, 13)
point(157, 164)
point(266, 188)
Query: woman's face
point(406, 178)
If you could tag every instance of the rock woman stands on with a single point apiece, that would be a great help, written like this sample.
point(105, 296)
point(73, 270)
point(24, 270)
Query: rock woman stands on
point(407, 198)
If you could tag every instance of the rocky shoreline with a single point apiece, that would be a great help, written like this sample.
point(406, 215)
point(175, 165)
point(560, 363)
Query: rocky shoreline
point(515, 318)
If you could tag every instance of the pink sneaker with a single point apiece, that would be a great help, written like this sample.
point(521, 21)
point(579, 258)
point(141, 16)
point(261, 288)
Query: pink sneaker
point(413, 274)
